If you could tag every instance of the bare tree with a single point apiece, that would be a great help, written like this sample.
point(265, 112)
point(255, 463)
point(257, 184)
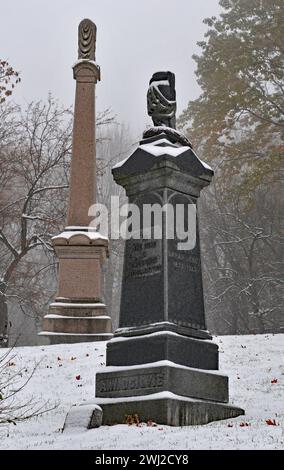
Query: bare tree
point(12, 381)
point(243, 261)
point(32, 206)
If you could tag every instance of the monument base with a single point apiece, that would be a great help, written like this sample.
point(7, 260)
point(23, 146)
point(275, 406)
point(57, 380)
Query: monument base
point(78, 313)
point(120, 382)
point(68, 338)
point(76, 322)
point(162, 345)
point(162, 377)
point(165, 408)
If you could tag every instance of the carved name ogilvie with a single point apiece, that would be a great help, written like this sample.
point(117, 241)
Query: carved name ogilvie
point(116, 384)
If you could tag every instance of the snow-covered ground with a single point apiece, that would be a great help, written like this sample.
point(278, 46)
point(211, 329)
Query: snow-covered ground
point(255, 367)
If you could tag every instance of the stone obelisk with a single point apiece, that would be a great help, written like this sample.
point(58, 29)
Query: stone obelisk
point(78, 312)
point(162, 364)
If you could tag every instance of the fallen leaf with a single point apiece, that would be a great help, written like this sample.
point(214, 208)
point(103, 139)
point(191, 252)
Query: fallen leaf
point(151, 423)
point(271, 422)
point(274, 381)
point(78, 377)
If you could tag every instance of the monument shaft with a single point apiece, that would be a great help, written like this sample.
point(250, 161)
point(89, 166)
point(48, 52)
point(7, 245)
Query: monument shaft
point(83, 168)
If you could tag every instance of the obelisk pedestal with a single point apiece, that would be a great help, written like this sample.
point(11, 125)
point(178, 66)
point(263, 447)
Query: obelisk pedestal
point(162, 364)
point(78, 312)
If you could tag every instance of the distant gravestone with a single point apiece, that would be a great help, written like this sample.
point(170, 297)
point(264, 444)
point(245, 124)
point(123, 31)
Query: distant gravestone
point(165, 360)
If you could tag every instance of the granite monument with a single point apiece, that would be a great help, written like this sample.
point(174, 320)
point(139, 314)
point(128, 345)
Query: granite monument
point(162, 364)
point(78, 312)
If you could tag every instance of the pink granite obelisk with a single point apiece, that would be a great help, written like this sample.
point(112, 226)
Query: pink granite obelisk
point(78, 312)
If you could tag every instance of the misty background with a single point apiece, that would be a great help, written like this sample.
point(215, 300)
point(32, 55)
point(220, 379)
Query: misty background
point(134, 40)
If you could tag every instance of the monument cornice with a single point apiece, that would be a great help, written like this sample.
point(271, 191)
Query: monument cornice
point(85, 70)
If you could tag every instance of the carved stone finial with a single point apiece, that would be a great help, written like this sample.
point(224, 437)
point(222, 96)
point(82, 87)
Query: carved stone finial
point(87, 40)
point(161, 99)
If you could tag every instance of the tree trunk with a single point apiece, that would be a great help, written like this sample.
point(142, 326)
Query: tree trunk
point(3, 318)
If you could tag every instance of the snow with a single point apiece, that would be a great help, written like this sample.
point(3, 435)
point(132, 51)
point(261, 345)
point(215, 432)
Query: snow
point(118, 339)
point(55, 333)
point(86, 61)
point(158, 364)
point(119, 164)
point(77, 304)
point(202, 162)
point(160, 82)
point(252, 363)
point(91, 235)
point(153, 396)
point(80, 417)
point(162, 141)
point(157, 151)
point(161, 147)
point(97, 317)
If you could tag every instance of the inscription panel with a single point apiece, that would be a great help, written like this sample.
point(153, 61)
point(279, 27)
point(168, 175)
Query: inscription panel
point(142, 291)
point(133, 383)
point(144, 258)
point(186, 305)
point(185, 261)
point(185, 293)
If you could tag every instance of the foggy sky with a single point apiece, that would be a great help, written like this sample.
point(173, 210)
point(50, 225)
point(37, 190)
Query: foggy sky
point(135, 38)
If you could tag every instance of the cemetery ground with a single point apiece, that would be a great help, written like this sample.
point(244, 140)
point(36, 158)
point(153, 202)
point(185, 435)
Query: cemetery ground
point(65, 376)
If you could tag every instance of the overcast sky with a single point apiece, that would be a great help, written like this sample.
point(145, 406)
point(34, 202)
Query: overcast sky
point(135, 38)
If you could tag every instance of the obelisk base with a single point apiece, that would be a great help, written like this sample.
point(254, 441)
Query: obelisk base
point(162, 345)
point(78, 313)
point(165, 408)
point(74, 322)
point(177, 383)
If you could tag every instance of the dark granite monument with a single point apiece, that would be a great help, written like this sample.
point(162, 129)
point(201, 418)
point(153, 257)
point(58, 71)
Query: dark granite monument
point(162, 363)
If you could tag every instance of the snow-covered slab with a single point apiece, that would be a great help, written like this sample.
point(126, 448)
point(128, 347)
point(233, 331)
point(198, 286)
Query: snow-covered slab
point(95, 317)
point(82, 417)
point(152, 396)
point(78, 304)
point(118, 339)
point(55, 333)
point(163, 363)
point(70, 235)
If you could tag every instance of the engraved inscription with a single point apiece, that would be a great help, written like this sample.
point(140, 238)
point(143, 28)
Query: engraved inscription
point(187, 262)
point(144, 258)
point(142, 381)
